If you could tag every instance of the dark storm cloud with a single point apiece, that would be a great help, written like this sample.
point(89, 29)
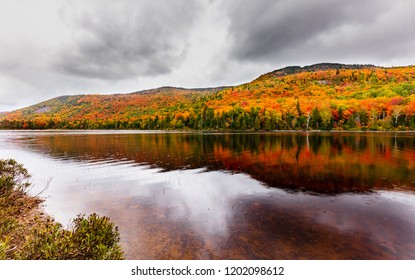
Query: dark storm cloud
point(125, 39)
point(296, 30)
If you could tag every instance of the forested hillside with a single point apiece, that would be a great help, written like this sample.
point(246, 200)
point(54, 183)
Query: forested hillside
point(321, 96)
point(113, 111)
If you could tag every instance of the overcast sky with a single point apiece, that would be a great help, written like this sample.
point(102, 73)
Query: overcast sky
point(50, 48)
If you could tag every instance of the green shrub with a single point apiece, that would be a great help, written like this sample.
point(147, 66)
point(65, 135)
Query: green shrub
point(13, 177)
point(90, 238)
point(95, 237)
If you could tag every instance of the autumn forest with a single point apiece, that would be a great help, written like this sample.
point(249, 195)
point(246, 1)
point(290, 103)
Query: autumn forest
point(318, 97)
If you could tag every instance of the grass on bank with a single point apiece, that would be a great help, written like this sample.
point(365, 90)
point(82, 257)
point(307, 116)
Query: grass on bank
point(27, 233)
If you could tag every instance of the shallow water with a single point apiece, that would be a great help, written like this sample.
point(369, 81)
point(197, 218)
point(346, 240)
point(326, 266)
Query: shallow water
point(231, 196)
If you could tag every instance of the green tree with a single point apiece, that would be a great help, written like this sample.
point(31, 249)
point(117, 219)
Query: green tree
point(243, 126)
point(267, 124)
point(257, 123)
point(179, 124)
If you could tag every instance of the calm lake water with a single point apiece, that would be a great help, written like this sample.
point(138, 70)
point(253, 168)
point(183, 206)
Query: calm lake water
point(231, 196)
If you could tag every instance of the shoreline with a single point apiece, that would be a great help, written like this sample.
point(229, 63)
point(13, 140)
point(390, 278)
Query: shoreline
point(27, 232)
point(190, 131)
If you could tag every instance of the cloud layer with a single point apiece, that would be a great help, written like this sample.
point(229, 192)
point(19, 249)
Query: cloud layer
point(120, 40)
point(55, 47)
point(298, 31)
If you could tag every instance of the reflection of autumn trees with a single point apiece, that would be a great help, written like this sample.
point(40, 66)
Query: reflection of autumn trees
point(364, 98)
point(324, 163)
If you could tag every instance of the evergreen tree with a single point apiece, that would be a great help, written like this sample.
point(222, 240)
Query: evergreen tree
point(257, 123)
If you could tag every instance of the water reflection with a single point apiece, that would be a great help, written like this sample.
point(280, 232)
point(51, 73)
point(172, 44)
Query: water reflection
point(322, 163)
point(240, 196)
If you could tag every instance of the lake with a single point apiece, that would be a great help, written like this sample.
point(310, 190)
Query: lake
point(231, 196)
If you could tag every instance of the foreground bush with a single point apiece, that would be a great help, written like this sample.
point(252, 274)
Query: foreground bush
point(93, 237)
point(26, 233)
point(14, 178)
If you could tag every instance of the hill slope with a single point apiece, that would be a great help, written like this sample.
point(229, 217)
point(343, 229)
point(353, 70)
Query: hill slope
point(320, 96)
point(103, 111)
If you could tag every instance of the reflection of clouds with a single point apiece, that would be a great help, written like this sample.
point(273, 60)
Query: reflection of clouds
point(194, 197)
point(202, 199)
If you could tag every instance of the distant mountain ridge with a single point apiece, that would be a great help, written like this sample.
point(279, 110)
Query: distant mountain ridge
point(319, 96)
point(289, 70)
